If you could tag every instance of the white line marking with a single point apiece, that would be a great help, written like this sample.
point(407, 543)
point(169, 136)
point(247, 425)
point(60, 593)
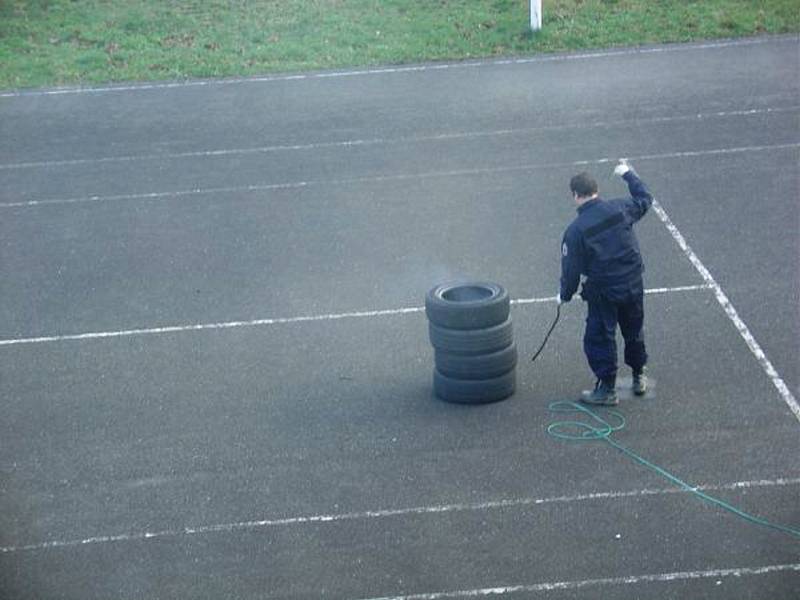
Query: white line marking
point(381, 178)
point(403, 69)
point(663, 290)
point(399, 140)
point(275, 321)
point(208, 326)
point(398, 512)
point(682, 288)
point(157, 195)
point(727, 306)
point(605, 581)
point(219, 152)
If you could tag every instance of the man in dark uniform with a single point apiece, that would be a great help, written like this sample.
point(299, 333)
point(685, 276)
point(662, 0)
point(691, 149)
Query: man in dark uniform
point(600, 245)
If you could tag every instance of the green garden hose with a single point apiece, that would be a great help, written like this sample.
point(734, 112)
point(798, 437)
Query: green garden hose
point(599, 428)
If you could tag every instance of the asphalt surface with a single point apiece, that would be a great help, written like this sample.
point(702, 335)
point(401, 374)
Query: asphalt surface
point(306, 458)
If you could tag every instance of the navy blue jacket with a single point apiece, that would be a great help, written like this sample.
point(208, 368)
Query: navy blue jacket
point(601, 245)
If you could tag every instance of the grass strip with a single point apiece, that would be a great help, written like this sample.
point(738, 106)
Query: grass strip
point(66, 42)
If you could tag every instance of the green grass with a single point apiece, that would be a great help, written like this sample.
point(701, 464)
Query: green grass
point(60, 42)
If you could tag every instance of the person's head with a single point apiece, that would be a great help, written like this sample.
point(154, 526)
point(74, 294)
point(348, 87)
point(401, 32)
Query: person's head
point(583, 187)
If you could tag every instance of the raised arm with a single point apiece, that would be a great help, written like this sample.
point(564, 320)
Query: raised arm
point(640, 200)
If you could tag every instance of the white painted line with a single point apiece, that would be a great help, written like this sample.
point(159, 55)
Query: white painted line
point(400, 140)
point(605, 581)
point(382, 178)
point(209, 326)
point(158, 195)
point(664, 49)
point(650, 291)
point(733, 315)
point(716, 151)
point(397, 512)
point(683, 288)
point(211, 153)
point(277, 321)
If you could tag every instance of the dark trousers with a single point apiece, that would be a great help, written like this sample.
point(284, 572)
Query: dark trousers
point(600, 342)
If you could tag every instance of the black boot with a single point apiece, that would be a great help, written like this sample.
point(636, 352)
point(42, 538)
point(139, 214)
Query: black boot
point(603, 394)
point(640, 382)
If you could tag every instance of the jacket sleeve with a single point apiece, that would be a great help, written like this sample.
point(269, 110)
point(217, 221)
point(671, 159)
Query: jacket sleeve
point(571, 263)
point(638, 204)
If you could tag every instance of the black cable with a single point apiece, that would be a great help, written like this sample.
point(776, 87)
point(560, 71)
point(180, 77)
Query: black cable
point(547, 337)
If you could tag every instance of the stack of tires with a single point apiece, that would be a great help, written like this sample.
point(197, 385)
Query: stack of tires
point(472, 337)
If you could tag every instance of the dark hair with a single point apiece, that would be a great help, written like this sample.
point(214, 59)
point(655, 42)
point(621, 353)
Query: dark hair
point(583, 185)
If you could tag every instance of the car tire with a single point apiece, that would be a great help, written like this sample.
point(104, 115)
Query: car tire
point(471, 341)
point(471, 391)
point(477, 366)
point(467, 305)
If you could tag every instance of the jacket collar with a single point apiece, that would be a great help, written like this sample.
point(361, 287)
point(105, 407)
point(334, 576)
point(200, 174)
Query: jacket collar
point(588, 204)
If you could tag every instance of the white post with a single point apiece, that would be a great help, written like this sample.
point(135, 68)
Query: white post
point(536, 15)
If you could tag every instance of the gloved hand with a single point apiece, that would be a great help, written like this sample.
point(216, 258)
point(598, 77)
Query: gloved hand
point(622, 168)
point(558, 296)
